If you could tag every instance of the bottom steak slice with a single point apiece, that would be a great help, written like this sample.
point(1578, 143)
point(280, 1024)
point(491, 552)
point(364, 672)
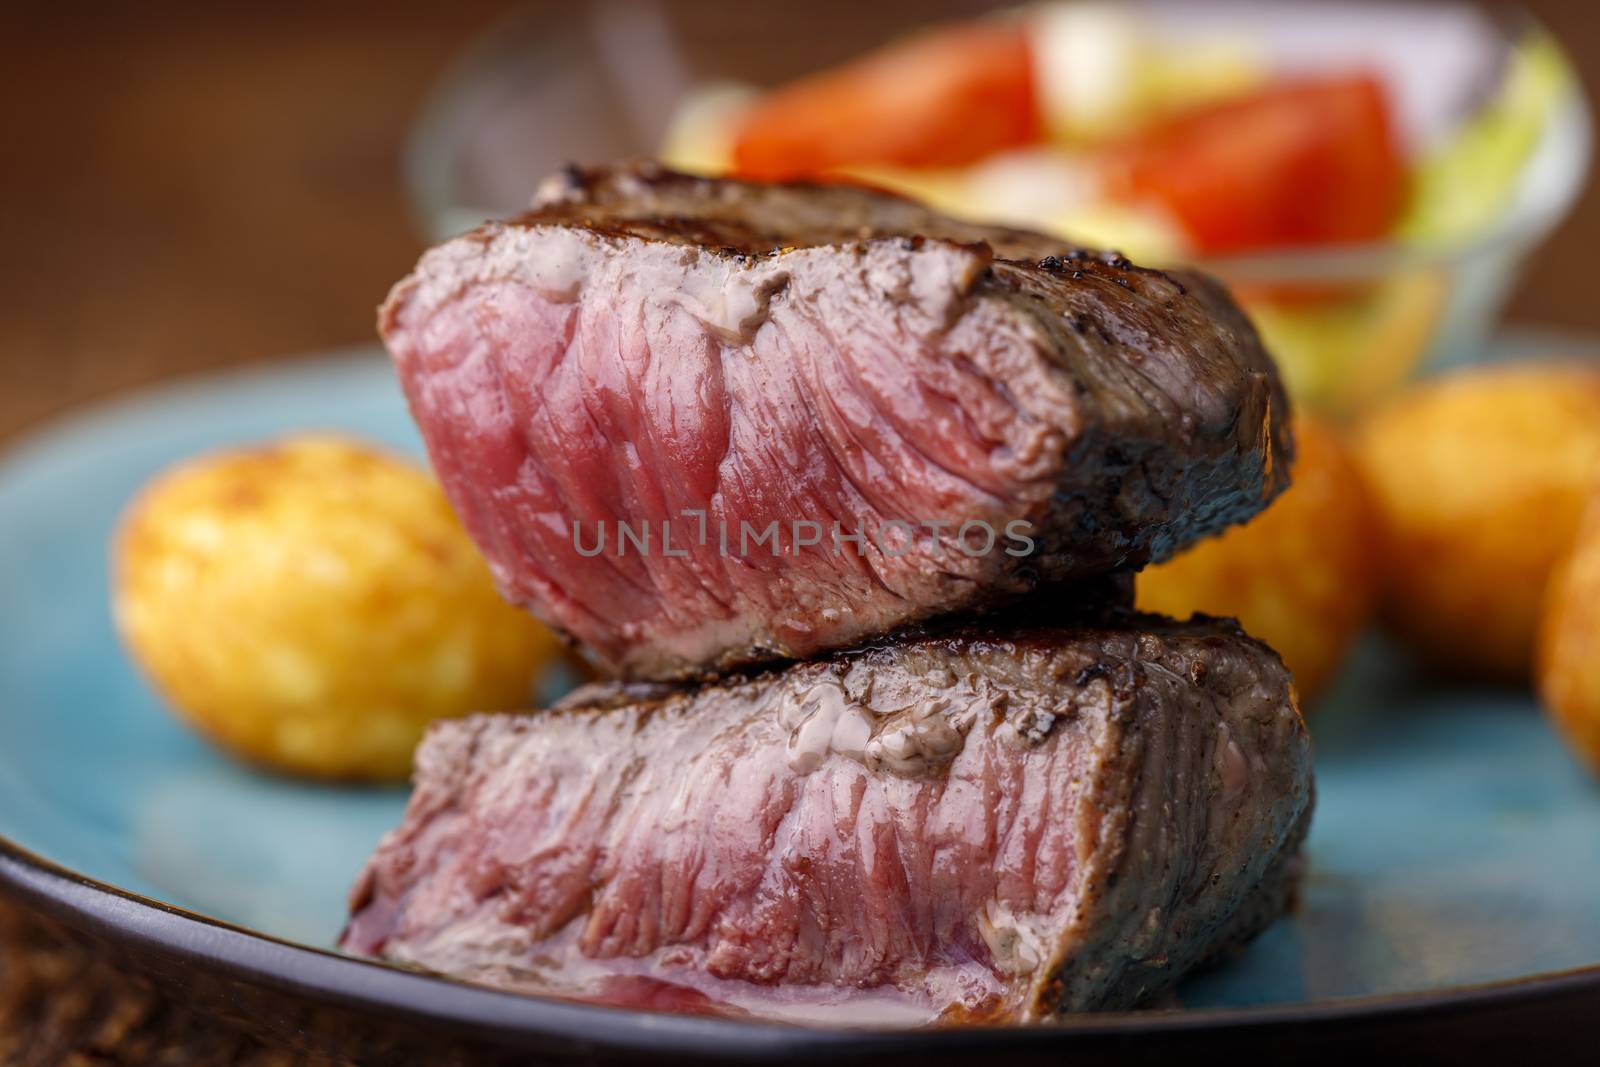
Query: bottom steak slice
point(966, 825)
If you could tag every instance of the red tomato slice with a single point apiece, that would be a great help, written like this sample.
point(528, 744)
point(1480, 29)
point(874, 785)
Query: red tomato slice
point(1303, 162)
point(940, 99)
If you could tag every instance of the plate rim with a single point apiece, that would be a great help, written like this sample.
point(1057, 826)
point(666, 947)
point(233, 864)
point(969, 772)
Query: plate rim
point(515, 1020)
point(511, 1020)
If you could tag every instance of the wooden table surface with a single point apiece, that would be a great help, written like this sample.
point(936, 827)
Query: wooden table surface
point(204, 185)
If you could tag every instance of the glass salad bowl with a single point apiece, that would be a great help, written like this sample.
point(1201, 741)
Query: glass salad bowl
point(1486, 110)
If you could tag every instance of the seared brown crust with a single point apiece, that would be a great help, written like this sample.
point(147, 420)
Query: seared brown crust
point(1107, 339)
point(1072, 819)
point(734, 218)
point(644, 344)
point(1107, 321)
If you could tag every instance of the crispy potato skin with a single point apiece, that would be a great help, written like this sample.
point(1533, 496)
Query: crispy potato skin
point(1568, 662)
point(1301, 576)
point(313, 604)
point(1480, 479)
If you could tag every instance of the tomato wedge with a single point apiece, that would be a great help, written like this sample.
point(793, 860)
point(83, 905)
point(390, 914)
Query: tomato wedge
point(941, 99)
point(1303, 162)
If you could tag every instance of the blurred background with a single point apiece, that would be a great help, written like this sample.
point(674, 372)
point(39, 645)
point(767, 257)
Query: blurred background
point(204, 184)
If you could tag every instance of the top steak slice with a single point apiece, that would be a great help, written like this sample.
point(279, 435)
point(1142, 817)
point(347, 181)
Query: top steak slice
point(972, 824)
point(751, 375)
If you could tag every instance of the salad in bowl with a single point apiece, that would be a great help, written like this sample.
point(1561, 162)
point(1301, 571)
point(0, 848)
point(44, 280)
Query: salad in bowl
point(1368, 206)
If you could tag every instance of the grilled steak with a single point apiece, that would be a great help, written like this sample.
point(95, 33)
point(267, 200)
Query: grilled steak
point(953, 826)
point(699, 423)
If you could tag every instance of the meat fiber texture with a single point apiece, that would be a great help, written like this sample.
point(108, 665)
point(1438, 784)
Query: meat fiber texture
point(696, 423)
point(953, 826)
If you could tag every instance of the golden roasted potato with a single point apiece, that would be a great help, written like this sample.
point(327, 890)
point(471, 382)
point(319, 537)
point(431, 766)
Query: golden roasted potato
point(1568, 667)
point(1480, 479)
point(313, 604)
point(1301, 576)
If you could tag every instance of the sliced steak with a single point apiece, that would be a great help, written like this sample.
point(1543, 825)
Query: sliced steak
point(782, 387)
point(954, 826)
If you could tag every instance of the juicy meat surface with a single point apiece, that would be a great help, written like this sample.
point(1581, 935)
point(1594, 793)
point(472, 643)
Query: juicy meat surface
point(957, 825)
point(782, 387)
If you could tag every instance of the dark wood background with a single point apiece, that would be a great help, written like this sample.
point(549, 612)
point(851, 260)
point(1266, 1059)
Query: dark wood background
point(212, 184)
point(205, 184)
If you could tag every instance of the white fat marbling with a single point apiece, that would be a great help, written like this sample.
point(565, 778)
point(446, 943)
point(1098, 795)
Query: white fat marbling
point(840, 714)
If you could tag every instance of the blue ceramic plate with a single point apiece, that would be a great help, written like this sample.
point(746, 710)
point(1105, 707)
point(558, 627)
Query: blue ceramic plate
point(1455, 843)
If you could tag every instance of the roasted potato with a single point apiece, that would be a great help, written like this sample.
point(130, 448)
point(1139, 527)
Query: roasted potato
point(1568, 664)
point(313, 604)
point(1480, 479)
point(1302, 575)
